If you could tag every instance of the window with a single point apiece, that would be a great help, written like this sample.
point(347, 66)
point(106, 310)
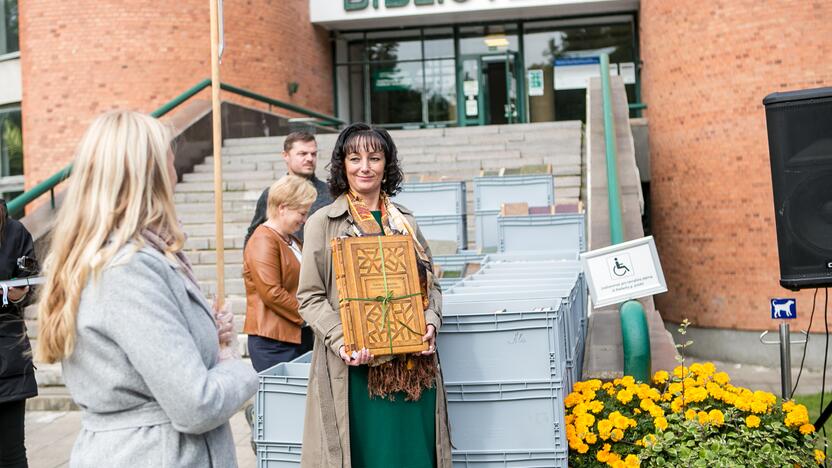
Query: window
point(9, 41)
point(566, 55)
point(11, 152)
point(397, 78)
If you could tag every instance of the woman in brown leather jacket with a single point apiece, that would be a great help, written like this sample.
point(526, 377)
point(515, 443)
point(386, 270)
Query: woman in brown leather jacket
point(271, 266)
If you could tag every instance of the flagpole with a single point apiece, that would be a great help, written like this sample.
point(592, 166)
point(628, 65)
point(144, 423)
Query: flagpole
point(216, 118)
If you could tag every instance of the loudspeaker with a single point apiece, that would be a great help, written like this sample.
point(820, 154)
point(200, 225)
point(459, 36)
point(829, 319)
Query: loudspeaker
point(800, 148)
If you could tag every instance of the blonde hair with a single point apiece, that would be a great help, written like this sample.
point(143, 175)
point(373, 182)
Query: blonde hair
point(291, 191)
point(119, 186)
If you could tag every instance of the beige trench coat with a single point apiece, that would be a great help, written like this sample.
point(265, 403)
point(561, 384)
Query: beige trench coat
point(326, 434)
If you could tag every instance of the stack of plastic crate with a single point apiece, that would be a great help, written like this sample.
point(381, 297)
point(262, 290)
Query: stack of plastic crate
point(439, 208)
point(505, 344)
point(279, 408)
point(491, 192)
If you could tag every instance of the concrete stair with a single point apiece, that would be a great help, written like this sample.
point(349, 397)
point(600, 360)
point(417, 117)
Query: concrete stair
point(250, 165)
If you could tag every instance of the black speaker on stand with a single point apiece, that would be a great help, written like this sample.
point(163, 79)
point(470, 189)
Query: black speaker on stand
point(800, 146)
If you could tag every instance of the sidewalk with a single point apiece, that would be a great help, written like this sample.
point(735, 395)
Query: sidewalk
point(50, 435)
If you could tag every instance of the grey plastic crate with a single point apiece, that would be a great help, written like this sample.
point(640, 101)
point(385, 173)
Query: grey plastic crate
point(467, 306)
point(278, 455)
point(520, 459)
point(488, 238)
point(491, 192)
point(504, 347)
point(508, 286)
point(525, 416)
point(280, 403)
point(446, 228)
point(561, 232)
point(433, 198)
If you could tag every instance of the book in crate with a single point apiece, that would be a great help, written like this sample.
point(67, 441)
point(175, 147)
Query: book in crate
point(364, 280)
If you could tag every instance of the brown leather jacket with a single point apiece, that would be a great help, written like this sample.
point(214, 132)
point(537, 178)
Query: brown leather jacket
point(270, 273)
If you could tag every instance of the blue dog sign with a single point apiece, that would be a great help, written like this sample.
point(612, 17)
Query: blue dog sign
point(784, 308)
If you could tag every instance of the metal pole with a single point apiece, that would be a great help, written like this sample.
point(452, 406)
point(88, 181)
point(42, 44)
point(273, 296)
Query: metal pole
point(216, 118)
point(785, 361)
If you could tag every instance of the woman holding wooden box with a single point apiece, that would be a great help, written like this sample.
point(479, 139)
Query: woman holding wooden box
point(364, 411)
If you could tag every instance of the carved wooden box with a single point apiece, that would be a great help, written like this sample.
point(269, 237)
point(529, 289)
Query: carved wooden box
point(380, 301)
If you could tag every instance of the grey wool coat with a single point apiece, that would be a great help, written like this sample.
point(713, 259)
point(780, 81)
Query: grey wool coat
point(326, 431)
point(145, 371)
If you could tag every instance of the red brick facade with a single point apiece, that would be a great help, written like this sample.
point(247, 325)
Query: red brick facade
point(707, 66)
point(84, 57)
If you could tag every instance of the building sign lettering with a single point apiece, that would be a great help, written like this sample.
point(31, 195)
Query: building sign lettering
point(357, 5)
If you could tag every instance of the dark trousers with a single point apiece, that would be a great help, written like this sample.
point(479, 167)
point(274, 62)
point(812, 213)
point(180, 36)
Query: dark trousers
point(266, 352)
point(12, 450)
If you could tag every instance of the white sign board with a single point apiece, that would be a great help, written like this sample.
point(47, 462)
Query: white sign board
point(625, 271)
point(574, 73)
point(535, 82)
point(471, 109)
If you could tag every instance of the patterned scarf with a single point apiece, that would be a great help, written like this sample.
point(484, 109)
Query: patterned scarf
point(410, 374)
point(159, 242)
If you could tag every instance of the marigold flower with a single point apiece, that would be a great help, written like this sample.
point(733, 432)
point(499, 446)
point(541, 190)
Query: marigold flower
point(660, 377)
point(690, 414)
point(716, 417)
point(703, 417)
point(590, 438)
point(807, 429)
point(752, 421)
point(624, 396)
point(660, 423)
point(819, 456)
point(632, 461)
point(616, 434)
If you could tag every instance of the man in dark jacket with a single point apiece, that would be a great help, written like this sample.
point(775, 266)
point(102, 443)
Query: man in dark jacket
point(300, 151)
point(17, 374)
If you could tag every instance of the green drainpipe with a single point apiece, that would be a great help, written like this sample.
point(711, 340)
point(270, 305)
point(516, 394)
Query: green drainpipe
point(635, 335)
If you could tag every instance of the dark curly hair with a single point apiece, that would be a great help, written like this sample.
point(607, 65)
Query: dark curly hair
point(362, 137)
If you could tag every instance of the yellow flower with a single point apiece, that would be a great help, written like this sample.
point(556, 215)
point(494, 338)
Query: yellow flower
point(632, 461)
point(624, 396)
point(590, 438)
point(752, 421)
point(596, 406)
point(660, 423)
point(716, 417)
point(680, 371)
point(605, 426)
point(656, 411)
point(583, 448)
point(789, 405)
point(649, 440)
point(819, 456)
point(807, 429)
point(676, 405)
point(602, 456)
point(703, 417)
point(660, 377)
point(690, 414)
point(616, 435)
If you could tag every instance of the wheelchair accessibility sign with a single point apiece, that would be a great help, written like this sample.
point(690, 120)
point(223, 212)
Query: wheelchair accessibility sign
point(784, 308)
point(625, 271)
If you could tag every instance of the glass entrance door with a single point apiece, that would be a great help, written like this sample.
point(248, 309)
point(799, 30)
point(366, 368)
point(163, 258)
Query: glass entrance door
point(489, 89)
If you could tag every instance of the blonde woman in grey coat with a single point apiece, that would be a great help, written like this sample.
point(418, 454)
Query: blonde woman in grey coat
point(153, 368)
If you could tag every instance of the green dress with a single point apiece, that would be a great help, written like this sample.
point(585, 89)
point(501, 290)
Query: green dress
point(387, 434)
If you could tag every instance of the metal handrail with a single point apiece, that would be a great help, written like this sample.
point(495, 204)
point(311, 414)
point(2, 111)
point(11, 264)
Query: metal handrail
point(635, 334)
point(48, 185)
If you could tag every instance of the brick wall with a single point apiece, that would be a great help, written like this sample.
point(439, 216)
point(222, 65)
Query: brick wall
point(707, 66)
point(84, 57)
